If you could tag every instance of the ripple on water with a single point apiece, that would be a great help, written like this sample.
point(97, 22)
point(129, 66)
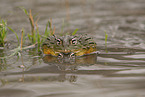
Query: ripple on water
point(137, 56)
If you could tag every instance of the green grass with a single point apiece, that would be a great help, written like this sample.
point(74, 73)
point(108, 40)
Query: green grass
point(15, 34)
point(75, 32)
point(106, 37)
point(3, 32)
point(35, 36)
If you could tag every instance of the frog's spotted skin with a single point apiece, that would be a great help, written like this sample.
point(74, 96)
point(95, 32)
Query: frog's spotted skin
point(73, 45)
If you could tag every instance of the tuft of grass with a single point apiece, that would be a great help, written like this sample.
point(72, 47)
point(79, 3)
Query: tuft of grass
point(50, 31)
point(35, 36)
point(17, 51)
point(3, 32)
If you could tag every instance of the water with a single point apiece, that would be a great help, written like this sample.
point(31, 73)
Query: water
point(118, 71)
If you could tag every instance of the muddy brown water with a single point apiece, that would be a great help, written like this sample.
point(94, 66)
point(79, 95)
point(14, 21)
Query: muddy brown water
point(119, 72)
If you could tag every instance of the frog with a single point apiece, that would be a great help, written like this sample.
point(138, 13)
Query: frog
point(69, 45)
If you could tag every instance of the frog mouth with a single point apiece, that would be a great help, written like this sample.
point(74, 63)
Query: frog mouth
point(66, 54)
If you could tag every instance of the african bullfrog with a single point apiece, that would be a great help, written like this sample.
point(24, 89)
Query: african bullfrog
point(68, 45)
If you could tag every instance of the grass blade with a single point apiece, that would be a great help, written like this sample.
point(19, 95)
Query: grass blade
point(75, 31)
point(106, 36)
point(25, 11)
point(15, 34)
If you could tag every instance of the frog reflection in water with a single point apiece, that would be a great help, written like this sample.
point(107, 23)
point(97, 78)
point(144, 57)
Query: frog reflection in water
point(68, 46)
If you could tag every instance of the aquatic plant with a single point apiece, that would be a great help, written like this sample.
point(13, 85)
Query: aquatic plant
point(3, 32)
point(35, 36)
point(32, 36)
point(51, 30)
point(17, 51)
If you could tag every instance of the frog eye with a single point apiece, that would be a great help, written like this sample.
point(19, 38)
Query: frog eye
point(60, 55)
point(48, 38)
point(72, 55)
point(59, 42)
point(73, 41)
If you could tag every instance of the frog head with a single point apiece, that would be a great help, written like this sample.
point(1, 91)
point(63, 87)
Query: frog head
point(68, 45)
